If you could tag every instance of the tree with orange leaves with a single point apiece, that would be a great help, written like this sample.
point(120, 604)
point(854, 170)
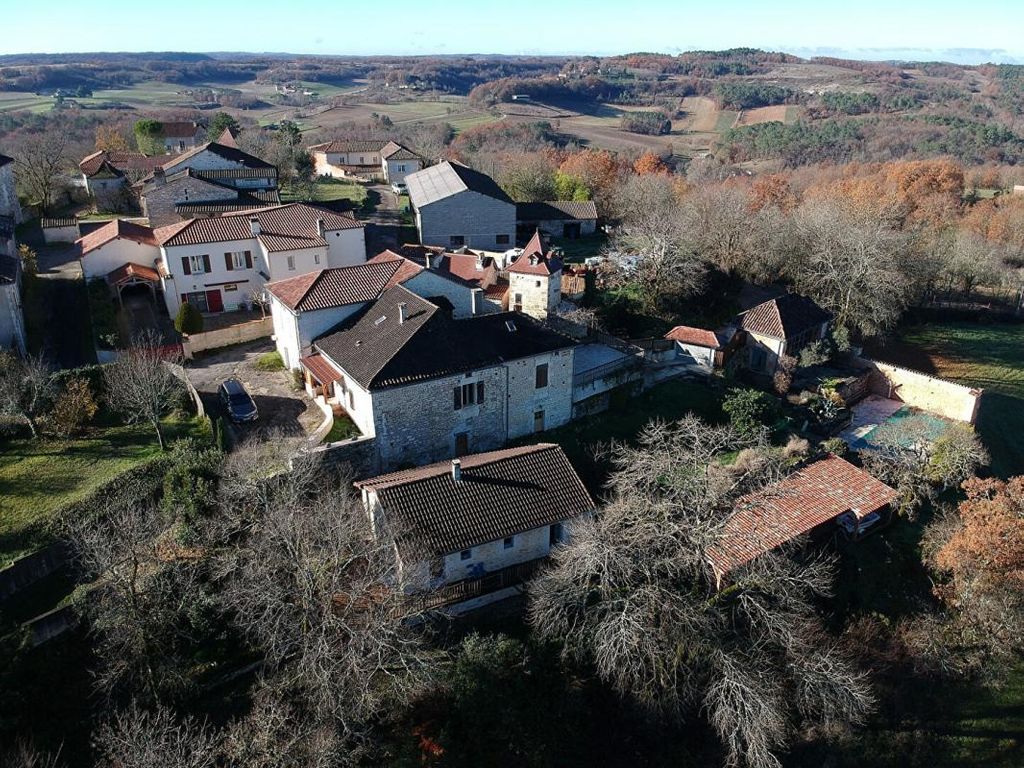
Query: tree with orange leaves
point(771, 190)
point(597, 170)
point(649, 162)
point(110, 138)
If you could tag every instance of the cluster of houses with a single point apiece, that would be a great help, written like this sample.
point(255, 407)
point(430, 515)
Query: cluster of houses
point(443, 353)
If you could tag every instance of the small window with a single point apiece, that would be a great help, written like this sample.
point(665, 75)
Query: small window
point(457, 241)
point(501, 239)
point(468, 394)
point(510, 541)
point(537, 284)
point(465, 554)
point(316, 258)
point(538, 421)
point(291, 263)
point(542, 375)
point(198, 264)
point(238, 260)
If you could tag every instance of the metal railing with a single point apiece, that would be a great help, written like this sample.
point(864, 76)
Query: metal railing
point(468, 589)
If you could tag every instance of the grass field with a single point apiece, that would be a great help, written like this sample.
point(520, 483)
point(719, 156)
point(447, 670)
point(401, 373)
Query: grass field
point(989, 356)
point(329, 190)
point(40, 477)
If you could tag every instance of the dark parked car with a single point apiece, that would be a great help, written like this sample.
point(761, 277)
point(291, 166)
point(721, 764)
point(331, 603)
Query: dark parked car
point(236, 402)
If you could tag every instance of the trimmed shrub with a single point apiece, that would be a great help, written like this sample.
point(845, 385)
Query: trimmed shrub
point(271, 361)
point(836, 446)
point(188, 320)
point(73, 409)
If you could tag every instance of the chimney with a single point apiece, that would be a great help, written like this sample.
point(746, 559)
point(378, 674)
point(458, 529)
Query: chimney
point(158, 175)
point(254, 225)
point(479, 261)
point(321, 228)
point(476, 300)
point(426, 259)
point(403, 312)
point(456, 470)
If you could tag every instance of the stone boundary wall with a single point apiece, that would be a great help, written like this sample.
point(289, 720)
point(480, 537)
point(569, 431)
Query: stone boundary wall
point(180, 374)
point(328, 423)
point(358, 452)
point(225, 337)
point(31, 568)
point(919, 390)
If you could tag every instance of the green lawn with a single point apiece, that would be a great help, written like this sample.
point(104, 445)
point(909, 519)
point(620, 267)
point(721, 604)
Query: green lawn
point(342, 429)
point(39, 478)
point(624, 420)
point(329, 190)
point(989, 356)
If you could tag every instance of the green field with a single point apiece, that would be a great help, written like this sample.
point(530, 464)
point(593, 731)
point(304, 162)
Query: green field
point(39, 478)
point(989, 356)
point(329, 190)
point(726, 120)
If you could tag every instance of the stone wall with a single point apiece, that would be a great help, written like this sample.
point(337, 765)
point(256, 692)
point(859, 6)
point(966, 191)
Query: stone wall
point(919, 390)
point(225, 337)
point(31, 568)
point(360, 453)
point(473, 216)
point(159, 199)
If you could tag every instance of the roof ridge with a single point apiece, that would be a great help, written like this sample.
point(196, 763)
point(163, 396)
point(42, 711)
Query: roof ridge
point(439, 468)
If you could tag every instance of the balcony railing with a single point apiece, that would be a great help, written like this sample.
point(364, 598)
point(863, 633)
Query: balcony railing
point(468, 589)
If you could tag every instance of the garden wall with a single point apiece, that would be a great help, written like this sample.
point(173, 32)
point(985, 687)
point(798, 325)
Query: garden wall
point(919, 390)
point(359, 452)
point(225, 337)
point(31, 568)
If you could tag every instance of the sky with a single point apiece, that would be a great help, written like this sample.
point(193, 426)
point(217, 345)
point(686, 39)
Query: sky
point(963, 32)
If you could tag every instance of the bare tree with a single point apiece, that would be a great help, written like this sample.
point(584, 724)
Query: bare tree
point(138, 738)
point(41, 160)
point(26, 388)
point(320, 594)
point(634, 593)
point(25, 755)
point(140, 385)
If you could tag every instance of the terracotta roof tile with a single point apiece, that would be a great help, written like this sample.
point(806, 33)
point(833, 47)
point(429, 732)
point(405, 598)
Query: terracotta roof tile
point(785, 317)
point(697, 336)
point(498, 494)
point(794, 506)
point(285, 227)
point(351, 145)
point(120, 162)
point(118, 229)
point(130, 270)
point(535, 259)
point(322, 370)
point(338, 286)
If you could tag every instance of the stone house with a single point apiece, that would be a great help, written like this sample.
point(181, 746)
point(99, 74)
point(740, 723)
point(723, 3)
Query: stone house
point(182, 135)
point(478, 269)
point(569, 219)
point(457, 206)
point(700, 347)
point(428, 386)
point(825, 496)
point(9, 205)
point(781, 326)
point(309, 305)
point(106, 174)
point(12, 319)
point(372, 159)
point(209, 180)
point(474, 529)
point(535, 280)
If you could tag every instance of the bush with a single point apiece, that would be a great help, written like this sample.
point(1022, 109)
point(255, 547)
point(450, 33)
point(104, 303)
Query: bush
point(191, 480)
point(836, 446)
point(271, 361)
point(750, 410)
point(188, 320)
point(74, 408)
point(649, 123)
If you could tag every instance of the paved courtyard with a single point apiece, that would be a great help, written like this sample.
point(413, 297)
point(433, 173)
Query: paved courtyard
point(283, 410)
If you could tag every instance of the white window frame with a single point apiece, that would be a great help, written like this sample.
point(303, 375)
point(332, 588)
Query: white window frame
point(291, 263)
point(238, 259)
point(195, 262)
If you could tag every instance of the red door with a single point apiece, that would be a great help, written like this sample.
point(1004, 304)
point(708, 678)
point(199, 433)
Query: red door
point(214, 302)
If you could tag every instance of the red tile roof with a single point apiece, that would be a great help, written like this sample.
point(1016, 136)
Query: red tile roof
point(698, 337)
point(179, 130)
point(133, 270)
point(785, 317)
point(282, 228)
point(121, 162)
point(322, 370)
point(118, 229)
point(814, 495)
point(339, 286)
point(353, 145)
point(536, 260)
point(498, 494)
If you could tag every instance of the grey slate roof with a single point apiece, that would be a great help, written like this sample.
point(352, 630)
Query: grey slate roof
point(554, 210)
point(378, 351)
point(499, 494)
point(446, 179)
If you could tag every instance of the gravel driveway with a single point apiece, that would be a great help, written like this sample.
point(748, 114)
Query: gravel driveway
point(283, 410)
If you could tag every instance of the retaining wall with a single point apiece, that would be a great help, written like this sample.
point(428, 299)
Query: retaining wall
point(225, 337)
point(30, 568)
point(919, 390)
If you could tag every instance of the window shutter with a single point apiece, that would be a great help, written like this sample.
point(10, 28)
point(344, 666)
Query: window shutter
point(227, 262)
point(186, 267)
point(248, 259)
point(479, 391)
point(458, 398)
point(206, 263)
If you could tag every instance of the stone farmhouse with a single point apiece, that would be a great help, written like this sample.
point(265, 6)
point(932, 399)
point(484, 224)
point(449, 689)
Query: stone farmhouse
point(182, 135)
point(373, 159)
point(427, 386)
point(535, 280)
point(779, 327)
point(213, 178)
point(12, 320)
point(824, 497)
point(218, 264)
point(307, 306)
point(477, 268)
point(104, 174)
point(474, 529)
point(456, 206)
point(569, 219)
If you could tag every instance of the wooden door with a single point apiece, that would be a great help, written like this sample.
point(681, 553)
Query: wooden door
point(214, 300)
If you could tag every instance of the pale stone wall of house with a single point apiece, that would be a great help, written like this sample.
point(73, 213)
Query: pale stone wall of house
point(540, 294)
point(12, 320)
point(102, 261)
point(284, 264)
point(492, 556)
point(477, 218)
point(286, 332)
point(695, 353)
point(919, 390)
point(526, 400)
point(345, 247)
point(772, 349)
point(427, 284)
point(235, 285)
point(9, 205)
point(295, 332)
point(397, 170)
point(159, 198)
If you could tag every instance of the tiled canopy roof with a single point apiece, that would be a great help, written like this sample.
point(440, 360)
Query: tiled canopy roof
point(377, 350)
point(794, 506)
point(557, 209)
point(698, 337)
point(785, 317)
point(498, 494)
point(322, 371)
point(448, 178)
point(131, 271)
point(282, 228)
point(118, 229)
